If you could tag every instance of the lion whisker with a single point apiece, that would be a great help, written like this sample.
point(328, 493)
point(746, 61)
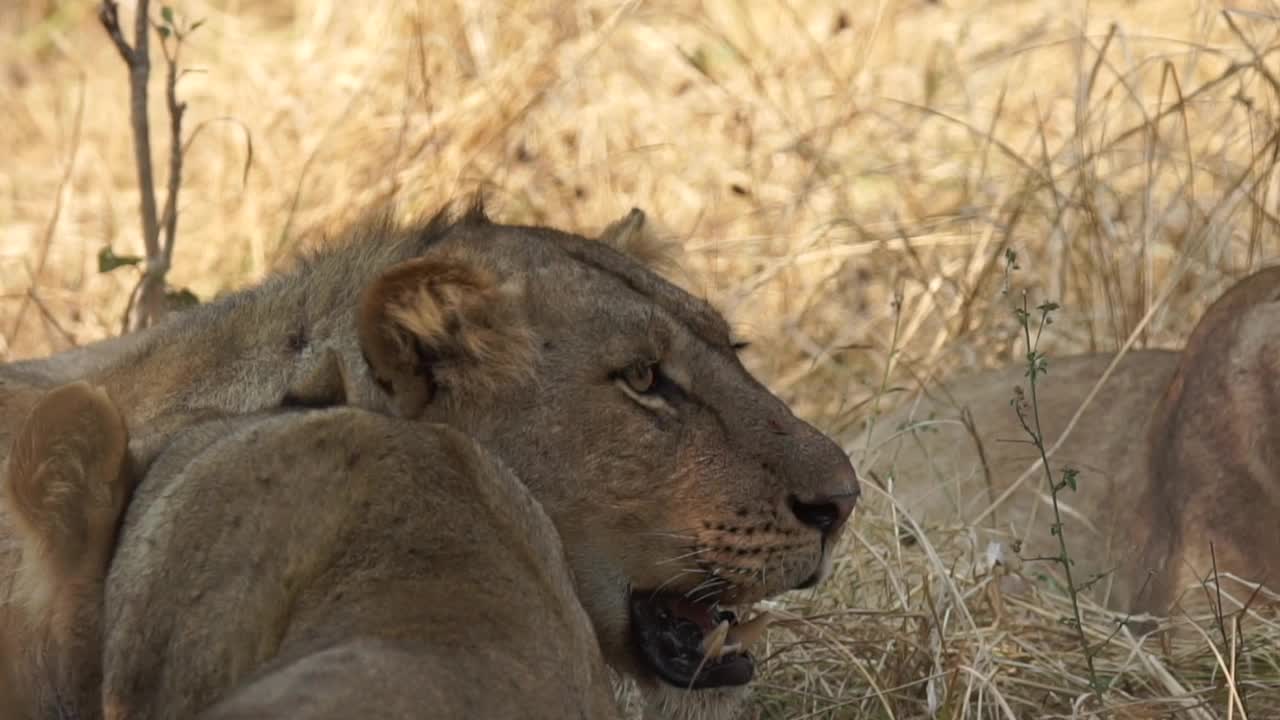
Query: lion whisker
point(678, 558)
point(710, 593)
point(709, 588)
point(676, 576)
point(670, 534)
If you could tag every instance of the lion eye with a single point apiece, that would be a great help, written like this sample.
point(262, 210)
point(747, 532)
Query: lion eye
point(641, 377)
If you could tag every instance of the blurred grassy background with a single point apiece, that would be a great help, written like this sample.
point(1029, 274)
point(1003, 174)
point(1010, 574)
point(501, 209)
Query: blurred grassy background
point(843, 178)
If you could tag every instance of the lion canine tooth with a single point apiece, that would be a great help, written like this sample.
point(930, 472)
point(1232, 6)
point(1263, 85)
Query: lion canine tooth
point(749, 633)
point(729, 649)
point(713, 642)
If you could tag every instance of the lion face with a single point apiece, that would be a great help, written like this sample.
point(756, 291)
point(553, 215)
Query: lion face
point(684, 491)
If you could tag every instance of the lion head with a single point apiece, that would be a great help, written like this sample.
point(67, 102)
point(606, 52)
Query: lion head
point(681, 487)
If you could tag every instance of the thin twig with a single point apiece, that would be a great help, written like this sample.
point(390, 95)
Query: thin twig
point(176, 111)
point(109, 16)
point(51, 226)
point(50, 319)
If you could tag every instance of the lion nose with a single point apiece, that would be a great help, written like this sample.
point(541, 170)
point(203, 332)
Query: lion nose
point(826, 513)
point(831, 503)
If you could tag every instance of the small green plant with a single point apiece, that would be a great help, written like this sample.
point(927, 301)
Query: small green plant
point(1026, 405)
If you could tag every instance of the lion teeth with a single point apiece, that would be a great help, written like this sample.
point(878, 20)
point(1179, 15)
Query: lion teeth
point(726, 639)
point(713, 643)
point(746, 634)
point(730, 649)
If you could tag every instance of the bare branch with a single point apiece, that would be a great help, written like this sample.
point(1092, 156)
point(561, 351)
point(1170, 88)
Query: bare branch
point(151, 295)
point(109, 16)
point(176, 111)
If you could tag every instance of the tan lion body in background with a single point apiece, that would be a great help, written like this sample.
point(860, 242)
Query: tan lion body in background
point(677, 483)
point(1177, 451)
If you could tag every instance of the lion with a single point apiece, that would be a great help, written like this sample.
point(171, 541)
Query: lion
point(384, 623)
point(423, 580)
point(682, 490)
point(1178, 460)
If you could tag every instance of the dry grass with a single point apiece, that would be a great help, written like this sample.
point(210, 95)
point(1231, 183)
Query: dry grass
point(817, 164)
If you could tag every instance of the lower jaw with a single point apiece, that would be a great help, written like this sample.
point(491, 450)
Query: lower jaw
point(692, 646)
point(735, 673)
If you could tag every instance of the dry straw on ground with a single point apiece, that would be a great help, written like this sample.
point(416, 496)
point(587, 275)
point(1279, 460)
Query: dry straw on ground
point(816, 163)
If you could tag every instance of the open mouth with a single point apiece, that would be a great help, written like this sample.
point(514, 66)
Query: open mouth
point(694, 645)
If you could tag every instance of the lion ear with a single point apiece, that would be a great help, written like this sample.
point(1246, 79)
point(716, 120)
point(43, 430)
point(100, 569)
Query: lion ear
point(66, 485)
point(442, 324)
point(624, 233)
point(634, 236)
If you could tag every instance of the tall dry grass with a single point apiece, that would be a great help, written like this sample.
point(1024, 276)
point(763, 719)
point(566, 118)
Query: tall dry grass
point(844, 182)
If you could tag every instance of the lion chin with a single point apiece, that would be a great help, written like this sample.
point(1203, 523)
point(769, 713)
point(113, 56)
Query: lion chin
point(665, 702)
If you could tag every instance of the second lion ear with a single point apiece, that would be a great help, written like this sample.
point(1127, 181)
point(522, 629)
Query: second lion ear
point(446, 325)
point(635, 236)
